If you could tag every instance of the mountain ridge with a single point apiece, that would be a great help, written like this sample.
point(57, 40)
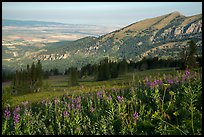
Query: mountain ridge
point(162, 36)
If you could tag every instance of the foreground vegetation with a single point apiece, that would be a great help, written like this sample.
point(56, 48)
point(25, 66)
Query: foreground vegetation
point(158, 104)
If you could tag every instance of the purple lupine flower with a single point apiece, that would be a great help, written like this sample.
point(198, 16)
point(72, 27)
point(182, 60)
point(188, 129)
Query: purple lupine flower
point(17, 109)
point(78, 106)
point(92, 109)
point(72, 106)
point(187, 72)
point(135, 116)
point(7, 114)
point(99, 94)
point(78, 99)
point(73, 100)
point(169, 81)
point(109, 97)
point(152, 84)
point(120, 99)
point(148, 84)
point(16, 118)
point(65, 113)
point(159, 82)
point(56, 100)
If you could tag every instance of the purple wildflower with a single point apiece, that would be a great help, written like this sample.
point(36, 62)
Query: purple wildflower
point(78, 106)
point(17, 109)
point(72, 106)
point(78, 99)
point(159, 82)
point(73, 100)
point(148, 84)
point(65, 113)
point(187, 72)
point(110, 98)
point(99, 94)
point(56, 100)
point(135, 116)
point(16, 118)
point(120, 99)
point(169, 81)
point(7, 114)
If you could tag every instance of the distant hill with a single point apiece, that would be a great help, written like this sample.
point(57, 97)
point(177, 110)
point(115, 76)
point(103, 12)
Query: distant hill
point(164, 37)
point(7, 22)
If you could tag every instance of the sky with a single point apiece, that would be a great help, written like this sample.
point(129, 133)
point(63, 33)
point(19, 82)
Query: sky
point(95, 13)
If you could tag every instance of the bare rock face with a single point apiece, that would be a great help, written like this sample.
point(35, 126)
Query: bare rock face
point(178, 31)
point(195, 27)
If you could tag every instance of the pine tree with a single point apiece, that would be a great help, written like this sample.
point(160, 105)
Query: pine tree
point(33, 76)
point(73, 77)
point(188, 56)
point(123, 67)
point(191, 60)
point(39, 74)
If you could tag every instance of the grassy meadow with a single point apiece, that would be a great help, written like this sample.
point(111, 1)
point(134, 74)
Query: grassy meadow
point(152, 102)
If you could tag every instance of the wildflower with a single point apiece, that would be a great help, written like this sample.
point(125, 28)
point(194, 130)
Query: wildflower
point(65, 113)
point(159, 82)
point(73, 101)
point(56, 100)
point(7, 114)
point(148, 84)
point(120, 99)
point(16, 118)
point(187, 72)
point(135, 116)
point(109, 97)
point(78, 106)
point(17, 109)
point(169, 81)
point(99, 94)
point(72, 106)
point(78, 99)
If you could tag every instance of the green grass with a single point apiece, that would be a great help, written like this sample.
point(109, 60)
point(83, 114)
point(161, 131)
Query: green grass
point(58, 85)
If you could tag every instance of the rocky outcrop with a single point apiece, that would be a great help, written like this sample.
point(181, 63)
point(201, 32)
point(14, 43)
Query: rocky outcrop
point(52, 56)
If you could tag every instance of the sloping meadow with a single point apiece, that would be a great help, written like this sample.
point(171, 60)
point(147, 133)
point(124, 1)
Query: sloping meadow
point(165, 105)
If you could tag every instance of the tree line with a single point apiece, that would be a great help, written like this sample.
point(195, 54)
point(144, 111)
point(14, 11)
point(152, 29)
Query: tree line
point(30, 79)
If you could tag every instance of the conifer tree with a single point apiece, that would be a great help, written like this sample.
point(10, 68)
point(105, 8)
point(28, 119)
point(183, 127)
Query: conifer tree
point(73, 77)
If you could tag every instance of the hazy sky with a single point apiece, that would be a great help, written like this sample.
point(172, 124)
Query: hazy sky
point(96, 13)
